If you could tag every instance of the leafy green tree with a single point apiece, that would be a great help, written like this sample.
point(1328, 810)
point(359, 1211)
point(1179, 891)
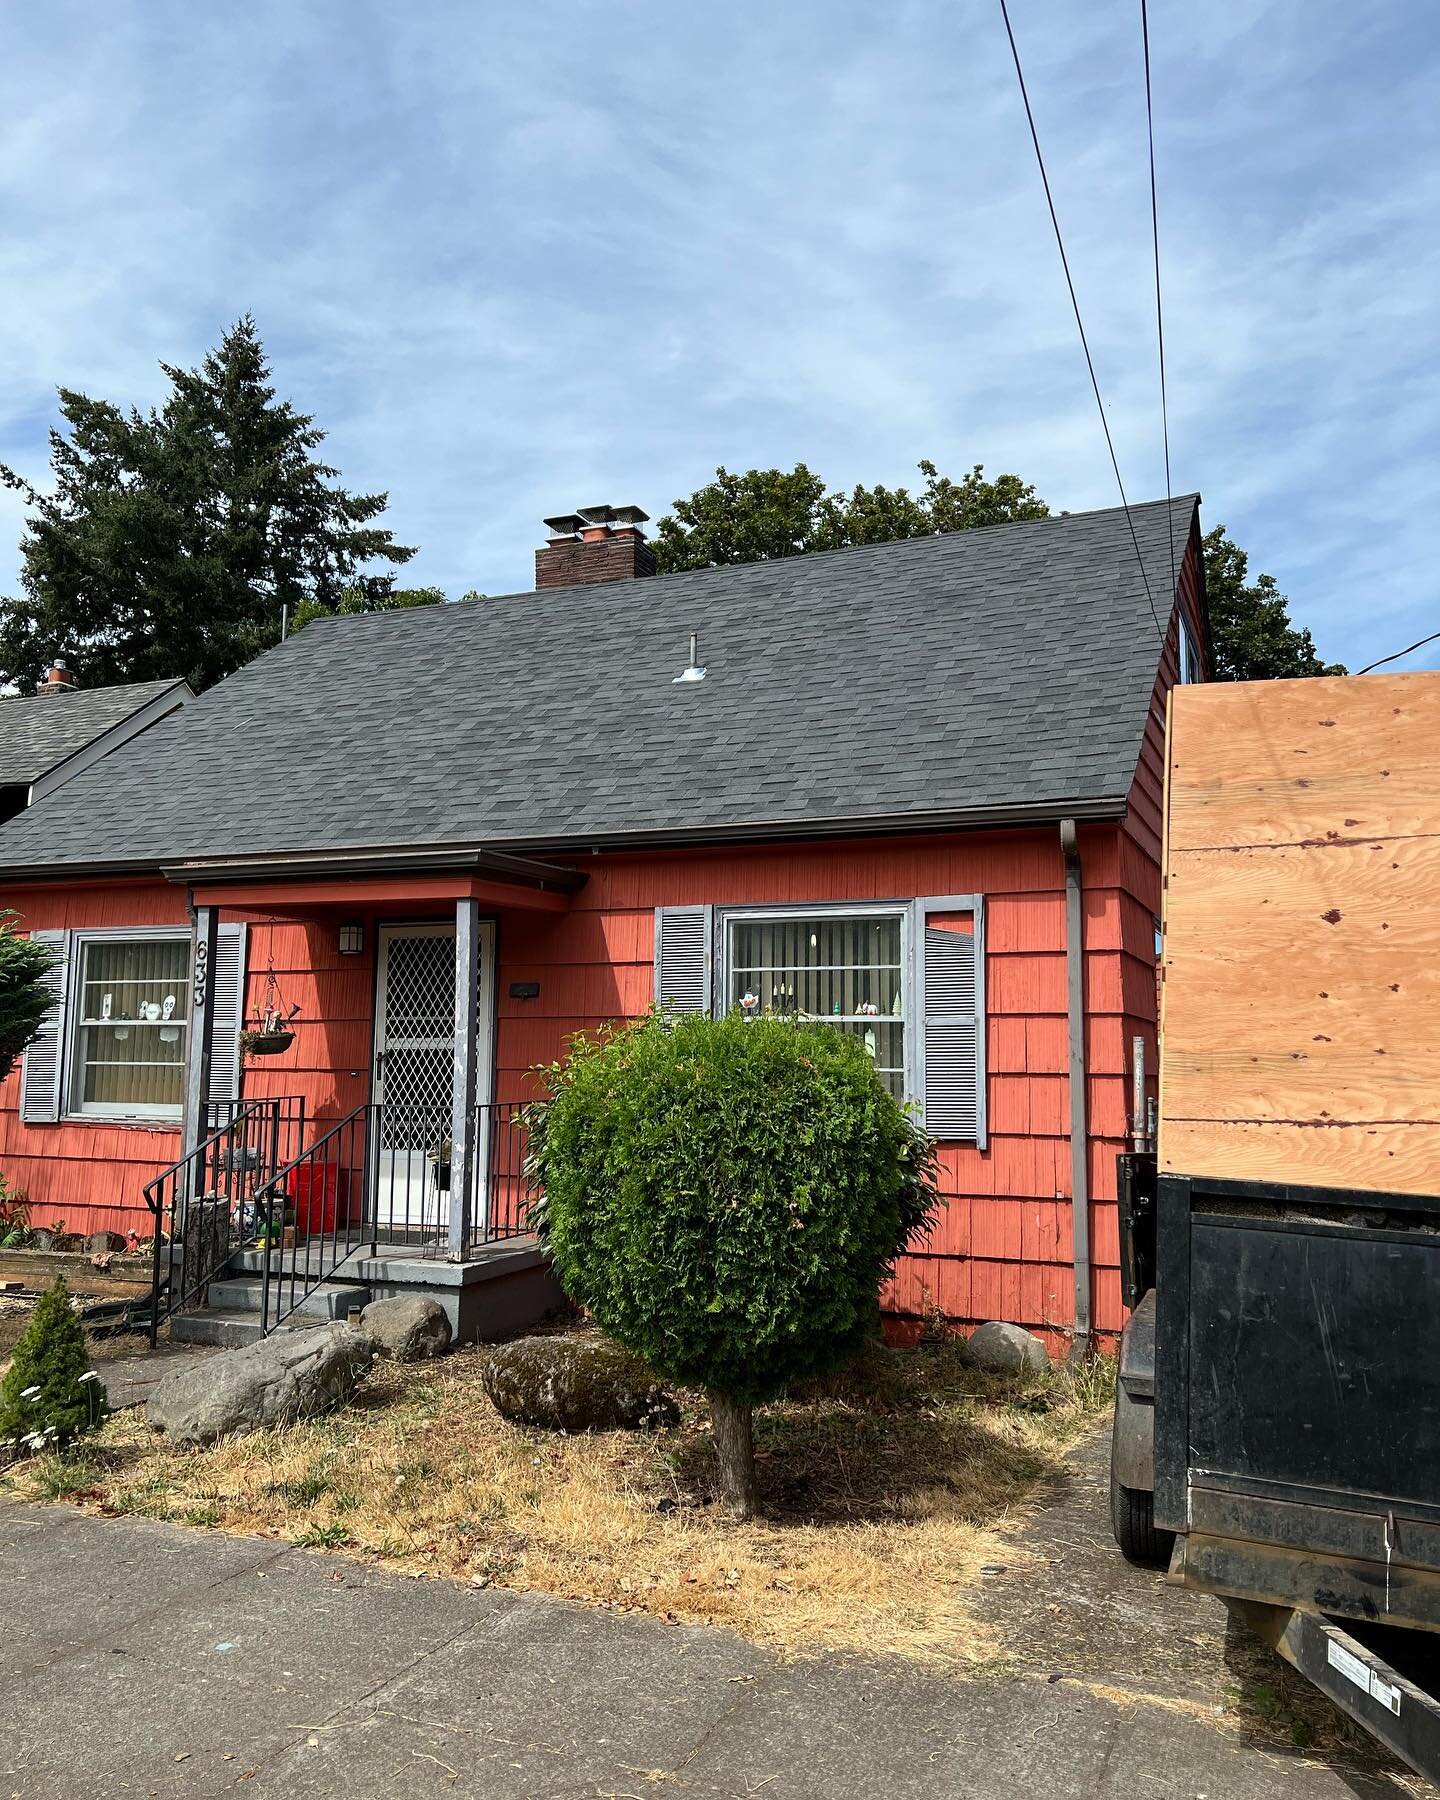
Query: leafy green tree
point(24, 996)
point(46, 1398)
point(769, 513)
point(1251, 636)
point(725, 1196)
point(354, 600)
point(170, 541)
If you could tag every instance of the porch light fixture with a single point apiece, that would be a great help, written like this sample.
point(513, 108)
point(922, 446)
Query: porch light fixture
point(352, 938)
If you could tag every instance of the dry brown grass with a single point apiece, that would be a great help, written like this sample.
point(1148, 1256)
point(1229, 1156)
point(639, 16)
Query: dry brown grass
point(884, 1489)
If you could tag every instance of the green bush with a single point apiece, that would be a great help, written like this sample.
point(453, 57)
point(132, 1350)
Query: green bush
point(24, 996)
point(725, 1197)
point(46, 1398)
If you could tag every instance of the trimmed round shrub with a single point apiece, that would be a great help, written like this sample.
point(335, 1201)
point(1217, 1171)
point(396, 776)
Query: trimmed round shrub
point(725, 1197)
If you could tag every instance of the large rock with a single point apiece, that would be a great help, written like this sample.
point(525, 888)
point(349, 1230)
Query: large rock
point(410, 1327)
point(286, 1377)
point(1007, 1350)
point(575, 1384)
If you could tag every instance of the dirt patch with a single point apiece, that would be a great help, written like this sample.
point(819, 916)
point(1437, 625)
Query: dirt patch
point(884, 1491)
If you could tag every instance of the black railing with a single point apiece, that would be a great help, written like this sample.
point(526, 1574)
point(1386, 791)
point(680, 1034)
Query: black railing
point(314, 1214)
point(204, 1206)
point(415, 1193)
point(500, 1162)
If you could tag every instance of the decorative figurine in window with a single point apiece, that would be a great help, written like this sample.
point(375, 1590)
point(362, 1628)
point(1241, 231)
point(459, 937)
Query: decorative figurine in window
point(749, 1003)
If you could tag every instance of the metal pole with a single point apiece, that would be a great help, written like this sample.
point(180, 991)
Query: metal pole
point(462, 1108)
point(1137, 1094)
point(1079, 1148)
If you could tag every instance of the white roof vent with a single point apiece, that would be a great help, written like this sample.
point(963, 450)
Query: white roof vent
point(693, 671)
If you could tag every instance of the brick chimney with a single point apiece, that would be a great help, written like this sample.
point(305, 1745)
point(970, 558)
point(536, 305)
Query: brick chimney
point(597, 543)
point(58, 679)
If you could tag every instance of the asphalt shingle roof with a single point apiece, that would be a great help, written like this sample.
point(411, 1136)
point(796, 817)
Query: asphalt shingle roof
point(988, 670)
point(37, 731)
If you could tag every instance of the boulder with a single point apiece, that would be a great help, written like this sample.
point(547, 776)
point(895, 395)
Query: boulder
point(575, 1384)
point(1007, 1350)
point(288, 1376)
point(410, 1327)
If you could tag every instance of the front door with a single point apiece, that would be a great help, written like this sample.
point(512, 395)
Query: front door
point(415, 1072)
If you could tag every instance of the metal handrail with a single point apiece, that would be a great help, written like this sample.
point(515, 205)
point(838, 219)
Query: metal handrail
point(204, 1192)
point(326, 1179)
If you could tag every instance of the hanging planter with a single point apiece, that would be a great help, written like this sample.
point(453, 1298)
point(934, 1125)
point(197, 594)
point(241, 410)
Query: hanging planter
point(271, 1034)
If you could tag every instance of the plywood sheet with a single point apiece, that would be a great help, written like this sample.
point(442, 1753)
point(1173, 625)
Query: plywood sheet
point(1300, 1036)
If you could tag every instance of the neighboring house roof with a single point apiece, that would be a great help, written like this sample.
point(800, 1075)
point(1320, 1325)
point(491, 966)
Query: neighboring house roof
point(41, 733)
point(1003, 673)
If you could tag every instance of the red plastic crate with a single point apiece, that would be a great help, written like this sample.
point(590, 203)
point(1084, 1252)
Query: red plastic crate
point(320, 1196)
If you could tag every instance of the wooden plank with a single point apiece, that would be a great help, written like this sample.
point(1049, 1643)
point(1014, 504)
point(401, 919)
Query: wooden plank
point(1300, 1037)
point(1330, 760)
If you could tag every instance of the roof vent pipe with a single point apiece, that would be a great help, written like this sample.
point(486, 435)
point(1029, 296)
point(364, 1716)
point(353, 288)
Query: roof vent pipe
point(692, 671)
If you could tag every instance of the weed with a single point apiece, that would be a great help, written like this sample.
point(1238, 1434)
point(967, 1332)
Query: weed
point(322, 1537)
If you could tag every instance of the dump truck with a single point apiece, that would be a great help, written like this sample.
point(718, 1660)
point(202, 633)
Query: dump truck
point(1277, 1427)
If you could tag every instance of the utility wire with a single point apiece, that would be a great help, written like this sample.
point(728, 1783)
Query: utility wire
point(1159, 309)
point(1079, 322)
point(1417, 645)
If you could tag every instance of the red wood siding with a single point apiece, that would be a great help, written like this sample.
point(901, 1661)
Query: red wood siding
point(1003, 1248)
point(89, 1175)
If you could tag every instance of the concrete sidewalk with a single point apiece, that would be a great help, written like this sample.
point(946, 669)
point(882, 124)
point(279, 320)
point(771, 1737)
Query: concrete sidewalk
point(155, 1660)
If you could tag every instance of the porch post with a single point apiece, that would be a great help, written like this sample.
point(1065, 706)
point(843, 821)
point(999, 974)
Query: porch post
point(202, 1026)
point(462, 1123)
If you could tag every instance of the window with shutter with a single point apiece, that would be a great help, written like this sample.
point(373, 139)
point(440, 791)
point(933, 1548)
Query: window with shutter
point(950, 959)
point(44, 1060)
point(683, 958)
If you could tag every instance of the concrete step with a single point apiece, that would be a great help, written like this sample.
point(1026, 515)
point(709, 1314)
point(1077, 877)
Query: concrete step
point(229, 1329)
point(243, 1293)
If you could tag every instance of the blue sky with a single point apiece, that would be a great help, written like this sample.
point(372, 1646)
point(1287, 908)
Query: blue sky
point(518, 259)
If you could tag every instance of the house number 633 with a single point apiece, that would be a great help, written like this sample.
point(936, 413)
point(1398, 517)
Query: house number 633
point(202, 976)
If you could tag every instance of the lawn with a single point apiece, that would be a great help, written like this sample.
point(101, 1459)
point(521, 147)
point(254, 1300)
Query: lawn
point(885, 1490)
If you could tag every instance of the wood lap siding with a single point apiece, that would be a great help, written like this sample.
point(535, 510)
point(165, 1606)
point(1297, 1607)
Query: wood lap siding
point(91, 1175)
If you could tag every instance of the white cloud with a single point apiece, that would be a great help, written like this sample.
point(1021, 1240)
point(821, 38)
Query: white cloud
point(517, 262)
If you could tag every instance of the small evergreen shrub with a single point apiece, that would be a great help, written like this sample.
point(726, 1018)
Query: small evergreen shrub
point(725, 1197)
point(50, 1393)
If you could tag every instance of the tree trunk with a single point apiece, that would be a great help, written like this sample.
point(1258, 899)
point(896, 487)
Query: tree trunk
point(735, 1451)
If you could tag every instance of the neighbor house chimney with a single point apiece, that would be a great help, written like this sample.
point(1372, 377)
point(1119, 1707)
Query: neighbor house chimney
point(58, 679)
point(597, 543)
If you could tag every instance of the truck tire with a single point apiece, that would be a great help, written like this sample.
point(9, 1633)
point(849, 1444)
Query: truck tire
point(1132, 1518)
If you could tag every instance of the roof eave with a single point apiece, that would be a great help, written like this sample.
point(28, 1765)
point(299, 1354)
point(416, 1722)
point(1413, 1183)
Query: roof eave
point(517, 859)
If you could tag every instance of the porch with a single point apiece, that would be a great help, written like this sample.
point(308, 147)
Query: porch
point(376, 1154)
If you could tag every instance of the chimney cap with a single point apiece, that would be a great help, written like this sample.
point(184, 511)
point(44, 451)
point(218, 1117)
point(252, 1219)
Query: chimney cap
point(612, 515)
point(564, 524)
point(58, 678)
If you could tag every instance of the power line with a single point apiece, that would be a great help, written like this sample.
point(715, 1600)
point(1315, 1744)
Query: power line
point(1159, 309)
point(1417, 645)
point(1079, 322)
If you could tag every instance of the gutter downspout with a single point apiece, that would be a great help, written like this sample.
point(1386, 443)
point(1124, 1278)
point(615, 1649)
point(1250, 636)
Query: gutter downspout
point(1079, 1157)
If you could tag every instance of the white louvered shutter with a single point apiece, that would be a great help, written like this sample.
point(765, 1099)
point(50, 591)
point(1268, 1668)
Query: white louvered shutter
point(44, 1061)
point(951, 967)
point(227, 998)
point(683, 937)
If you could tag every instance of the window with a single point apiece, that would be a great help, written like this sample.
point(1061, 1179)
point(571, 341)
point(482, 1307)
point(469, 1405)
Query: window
point(845, 968)
point(905, 977)
point(1191, 668)
point(131, 1021)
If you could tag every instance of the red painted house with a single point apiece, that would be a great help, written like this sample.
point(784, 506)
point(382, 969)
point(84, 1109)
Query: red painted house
point(914, 788)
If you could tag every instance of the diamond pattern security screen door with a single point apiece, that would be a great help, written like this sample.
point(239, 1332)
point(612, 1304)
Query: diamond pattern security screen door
point(415, 1072)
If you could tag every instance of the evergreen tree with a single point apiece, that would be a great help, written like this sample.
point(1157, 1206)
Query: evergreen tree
point(172, 541)
point(45, 1399)
point(1251, 637)
point(24, 997)
point(353, 600)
